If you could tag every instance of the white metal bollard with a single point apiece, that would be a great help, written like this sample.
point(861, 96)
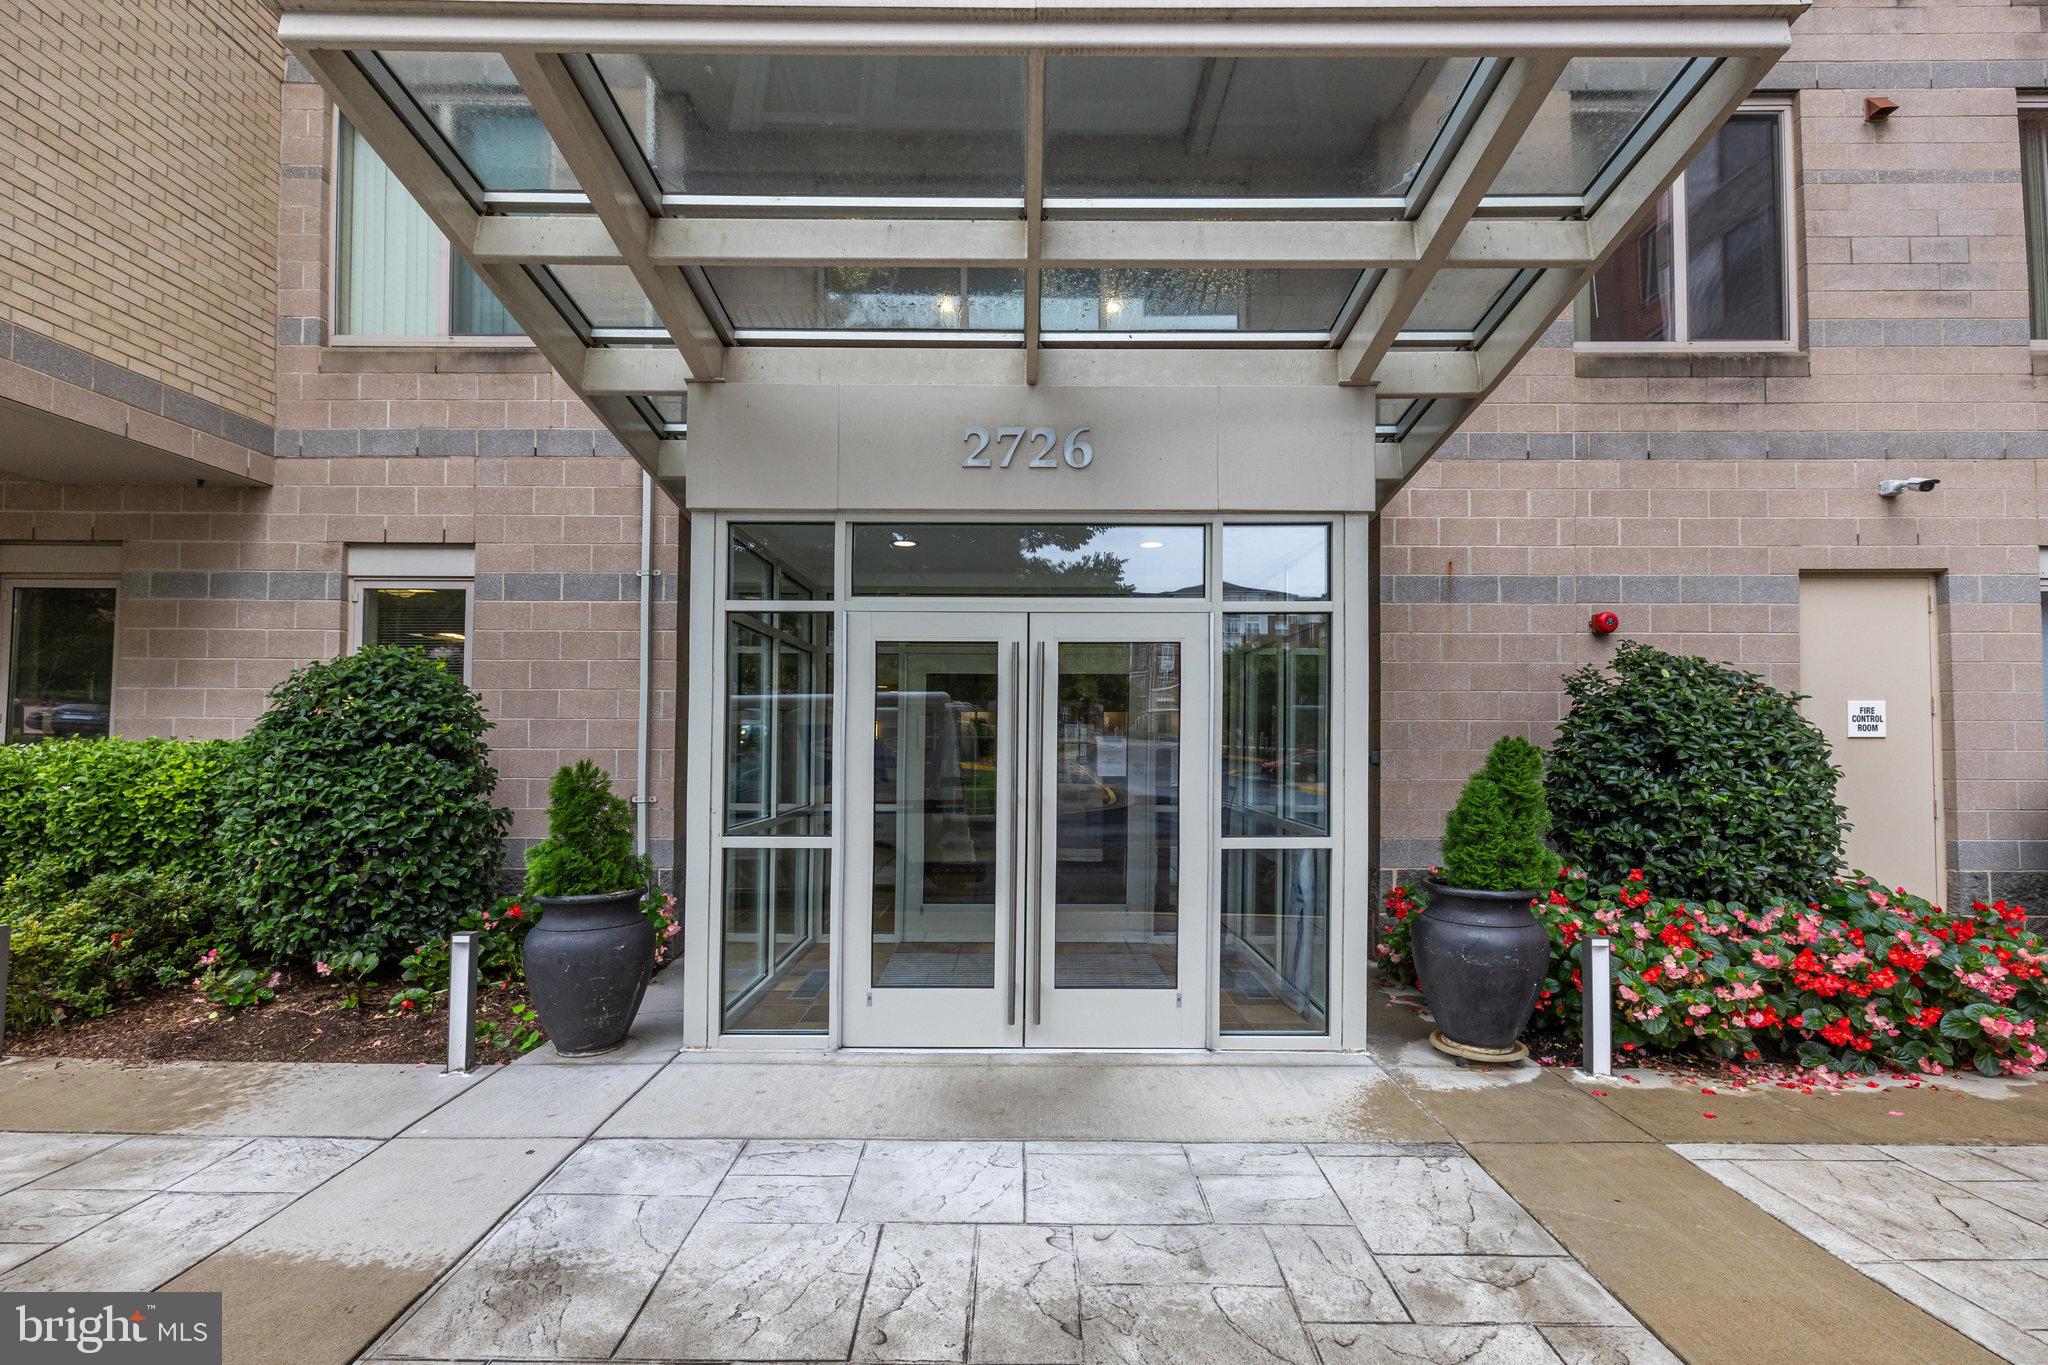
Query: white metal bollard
point(1596, 983)
point(6, 934)
point(461, 1004)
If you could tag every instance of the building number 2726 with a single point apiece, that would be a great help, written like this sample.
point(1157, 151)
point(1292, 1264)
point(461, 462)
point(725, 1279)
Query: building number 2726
point(1036, 442)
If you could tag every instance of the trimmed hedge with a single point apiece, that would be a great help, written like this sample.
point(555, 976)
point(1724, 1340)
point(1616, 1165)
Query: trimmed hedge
point(72, 809)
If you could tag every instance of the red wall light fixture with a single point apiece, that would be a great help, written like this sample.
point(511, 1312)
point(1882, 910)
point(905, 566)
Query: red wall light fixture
point(1604, 623)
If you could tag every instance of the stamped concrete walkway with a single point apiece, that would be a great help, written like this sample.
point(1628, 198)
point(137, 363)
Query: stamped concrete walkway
point(1067, 1209)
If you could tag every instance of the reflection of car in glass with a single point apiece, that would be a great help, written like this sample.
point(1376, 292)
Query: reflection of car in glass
point(1306, 763)
point(58, 720)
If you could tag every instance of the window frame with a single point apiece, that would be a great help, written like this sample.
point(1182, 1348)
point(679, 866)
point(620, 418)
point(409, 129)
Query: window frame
point(59, 579)
point(1782, 108)
point(359, 587)
point(2034, 103)
point(444, 260)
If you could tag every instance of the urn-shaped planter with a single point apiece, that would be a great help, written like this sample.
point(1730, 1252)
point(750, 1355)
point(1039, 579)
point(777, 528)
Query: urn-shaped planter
point(1480, 957)
point(588, 959)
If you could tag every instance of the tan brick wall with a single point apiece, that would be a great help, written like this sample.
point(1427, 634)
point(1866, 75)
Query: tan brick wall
point(224, 592)
point(138, 187)
point(1689, 494)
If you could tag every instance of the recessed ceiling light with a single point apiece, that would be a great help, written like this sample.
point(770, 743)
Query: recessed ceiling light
point(902, 542)
point(1151, 544)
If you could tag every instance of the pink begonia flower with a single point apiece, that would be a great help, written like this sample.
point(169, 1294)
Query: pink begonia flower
point(323, 968)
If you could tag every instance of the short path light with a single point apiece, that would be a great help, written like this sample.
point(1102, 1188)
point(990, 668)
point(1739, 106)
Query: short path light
point(1596, 978)
point(461, 1003)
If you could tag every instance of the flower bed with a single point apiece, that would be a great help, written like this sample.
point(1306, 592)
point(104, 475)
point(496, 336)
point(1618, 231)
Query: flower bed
point(1862, 980)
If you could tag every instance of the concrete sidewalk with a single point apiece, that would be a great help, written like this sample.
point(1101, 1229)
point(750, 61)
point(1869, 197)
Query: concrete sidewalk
point(1075, 1208)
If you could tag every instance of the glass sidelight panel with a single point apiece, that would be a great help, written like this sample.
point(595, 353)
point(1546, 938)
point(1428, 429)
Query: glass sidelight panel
point(777, 940)
point(1276, 725)
point(60, 662)
point(778, 677)
point(1276, 940)
point(1115, 811)
point(936, 818)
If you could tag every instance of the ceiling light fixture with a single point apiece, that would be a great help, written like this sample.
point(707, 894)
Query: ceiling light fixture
point(948, 304)
point(901, 541)
point(1151, 544)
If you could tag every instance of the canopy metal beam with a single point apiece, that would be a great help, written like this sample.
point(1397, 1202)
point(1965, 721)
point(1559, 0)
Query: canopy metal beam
point(618, 205)
point(1487, 145)
point(581, 239)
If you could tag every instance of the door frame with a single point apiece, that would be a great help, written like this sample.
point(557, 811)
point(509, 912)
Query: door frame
point(968, 1017)
point(701, 686)
point(1104, 1018)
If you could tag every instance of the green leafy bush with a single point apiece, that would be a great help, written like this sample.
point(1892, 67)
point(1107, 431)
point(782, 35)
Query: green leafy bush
point(589, 848)
point(1702, 776)
point(77, 950)
point(358, 817)
point(1493, 838)
point(77, 808)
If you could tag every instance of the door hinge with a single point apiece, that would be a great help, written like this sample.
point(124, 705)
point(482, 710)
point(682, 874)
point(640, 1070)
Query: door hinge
point(871, 999)
point(1178, 1000)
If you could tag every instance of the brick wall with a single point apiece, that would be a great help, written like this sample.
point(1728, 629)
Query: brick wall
point(224, 592)
point(139, 192)
point(1689, 492)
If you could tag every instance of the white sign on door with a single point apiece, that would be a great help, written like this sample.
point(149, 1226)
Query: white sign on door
point(1866, 720)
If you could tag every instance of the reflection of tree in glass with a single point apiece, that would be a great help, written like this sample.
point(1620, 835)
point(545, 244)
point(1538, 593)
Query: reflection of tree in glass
point(64, 644)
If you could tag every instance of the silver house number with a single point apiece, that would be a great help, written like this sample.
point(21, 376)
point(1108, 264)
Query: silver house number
point(1038, 444)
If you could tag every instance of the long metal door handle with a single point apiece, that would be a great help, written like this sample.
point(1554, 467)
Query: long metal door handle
point(1017, 749)
point(1040, 837)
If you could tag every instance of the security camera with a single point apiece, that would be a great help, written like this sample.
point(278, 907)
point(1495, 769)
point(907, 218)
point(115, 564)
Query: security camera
point(1891, 488)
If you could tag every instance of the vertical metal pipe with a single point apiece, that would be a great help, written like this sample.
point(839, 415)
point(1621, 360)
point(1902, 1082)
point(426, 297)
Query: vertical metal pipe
point(462, 967)
point(6, 935)
point(641, 801)
point(1596, 980)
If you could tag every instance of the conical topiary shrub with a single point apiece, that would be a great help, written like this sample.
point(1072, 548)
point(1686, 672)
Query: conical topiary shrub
point(1480, 955)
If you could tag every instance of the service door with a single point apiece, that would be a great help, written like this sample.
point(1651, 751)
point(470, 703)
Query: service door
point(1866, 661)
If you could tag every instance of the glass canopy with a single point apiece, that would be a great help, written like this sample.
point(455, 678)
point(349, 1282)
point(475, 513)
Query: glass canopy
point(1415, 206)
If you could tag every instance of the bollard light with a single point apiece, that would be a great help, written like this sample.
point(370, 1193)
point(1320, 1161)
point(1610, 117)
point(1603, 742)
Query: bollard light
point(1596, 981)
point(6, 934)
point(461, 1004)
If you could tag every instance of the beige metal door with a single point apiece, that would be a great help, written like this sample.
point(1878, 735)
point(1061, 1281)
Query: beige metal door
point(1866, 661)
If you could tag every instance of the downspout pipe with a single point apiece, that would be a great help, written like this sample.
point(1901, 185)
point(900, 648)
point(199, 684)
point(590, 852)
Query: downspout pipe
point(641, 799)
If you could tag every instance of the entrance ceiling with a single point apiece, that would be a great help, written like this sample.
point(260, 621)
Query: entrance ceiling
point(1402, 195)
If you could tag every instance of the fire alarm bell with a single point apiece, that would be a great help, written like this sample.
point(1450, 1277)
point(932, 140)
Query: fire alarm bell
point(1604, 623)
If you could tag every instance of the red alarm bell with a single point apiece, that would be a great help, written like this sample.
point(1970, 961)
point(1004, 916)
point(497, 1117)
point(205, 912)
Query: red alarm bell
point(1604, 623)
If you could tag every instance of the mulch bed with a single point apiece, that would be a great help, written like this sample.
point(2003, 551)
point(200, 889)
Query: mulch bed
point(305, 1023)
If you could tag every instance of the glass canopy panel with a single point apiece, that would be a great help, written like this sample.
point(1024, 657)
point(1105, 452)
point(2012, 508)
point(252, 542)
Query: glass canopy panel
point(1226, 127)
point(475, 102)
point(790, 124)
point(606, 295)
point(870, 298)
point(1584, 122)
point(1458, 300)
point(1223, 299)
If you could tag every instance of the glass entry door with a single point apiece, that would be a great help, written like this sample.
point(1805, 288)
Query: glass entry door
point(1028, 864)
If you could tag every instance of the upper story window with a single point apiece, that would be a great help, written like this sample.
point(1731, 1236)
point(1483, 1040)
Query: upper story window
point(2034, 179)
point(1710, 264)
point(394, 274)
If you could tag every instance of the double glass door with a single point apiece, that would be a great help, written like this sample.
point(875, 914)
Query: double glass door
point(1028, 855)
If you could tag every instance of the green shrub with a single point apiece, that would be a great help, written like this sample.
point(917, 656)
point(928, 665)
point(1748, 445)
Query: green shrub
point(1493, 838)
point(81, 807)
point(75, 951)
point(589, 848)
point(1704, 777)
point(359, 817)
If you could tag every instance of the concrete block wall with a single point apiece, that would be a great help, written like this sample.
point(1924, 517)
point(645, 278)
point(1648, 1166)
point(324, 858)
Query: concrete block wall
point(139, 196)
point(1689, 492)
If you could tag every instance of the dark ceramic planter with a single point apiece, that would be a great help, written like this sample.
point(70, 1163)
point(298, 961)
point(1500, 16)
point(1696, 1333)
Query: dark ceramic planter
point(587, 963)
point(1480, 957)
